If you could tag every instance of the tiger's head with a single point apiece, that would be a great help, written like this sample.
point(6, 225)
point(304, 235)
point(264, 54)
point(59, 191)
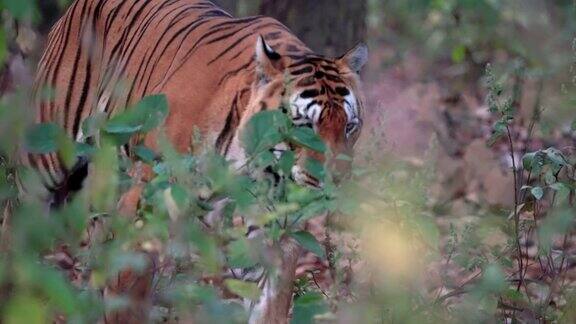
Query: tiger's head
point(317, 92)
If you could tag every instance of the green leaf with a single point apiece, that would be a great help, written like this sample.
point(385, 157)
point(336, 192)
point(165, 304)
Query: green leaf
point(306, 137)
point(493, 280)
point(514, 295)
point(556, 156)
point(180, 196)
point(25, 309)
point(537, 192)
point(265, 159)
point(528, 160)
point(243, 289)
point(93, 124)
point(307, 307)
point(309, 242)
point(302, 195)
point(43, 138)
point(104, 175)
point(264, 130)
point(562, 189)
point(315, 168)
point(287, 162)
point(145, 154)
point(21, 9)
point(3, 46)
point(57, 289)
point(558, 223)
point(153, 110)
point(122, 125)
point(550, 177)
point(239, 255)
point(48, 138)
point(459, 54)
point(66, 150)
point(148, 114)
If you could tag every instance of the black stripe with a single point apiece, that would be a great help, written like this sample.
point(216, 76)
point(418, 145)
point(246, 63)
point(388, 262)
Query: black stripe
point(72, 81)
point(189, 29)
point(148, 56)
point(235, 22)
point(307, 69)
point(235, 72)
point(229, 48)
point(225, 137)
point(311, 93)
point(58, 64)
point(244, 49)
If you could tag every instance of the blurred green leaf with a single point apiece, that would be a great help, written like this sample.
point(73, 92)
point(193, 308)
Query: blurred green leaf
point(20, 9)
point(148, 114)
point(307, 307)
point(145, 154)
point(514, 295)
point(556, 156)
point(103, 184)
point(43, 138)
point(58, 290)
point(459, 54)
point(264, 130)
point(537, 192)
point(533, 162)
point(302, 195)
point(559, 222)
point(287, 162)
point(24, 309)
point(309, 242)
point(306, 137)
point(210, 255)
point(243, 289)
point(493, 280)
point(3, 46)
point(562, 191)
point(239, 255)
point(49, 138)
point(315, 168)
point(92, 125)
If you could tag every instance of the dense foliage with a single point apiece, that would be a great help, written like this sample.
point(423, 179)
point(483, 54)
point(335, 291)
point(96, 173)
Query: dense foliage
point(387, 257)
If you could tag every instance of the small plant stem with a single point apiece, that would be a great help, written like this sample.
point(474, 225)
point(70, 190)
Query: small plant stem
point(330, 249)
point(516, 214)
point(318, 285)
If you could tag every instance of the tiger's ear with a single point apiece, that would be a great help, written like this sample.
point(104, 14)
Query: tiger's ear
point(356, 58)
point(268, 62)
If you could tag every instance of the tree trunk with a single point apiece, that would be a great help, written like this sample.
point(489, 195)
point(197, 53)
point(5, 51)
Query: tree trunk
point(329, 27)
point(231, 6)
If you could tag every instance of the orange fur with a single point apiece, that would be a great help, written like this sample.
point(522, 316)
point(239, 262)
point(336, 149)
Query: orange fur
point(104, 55)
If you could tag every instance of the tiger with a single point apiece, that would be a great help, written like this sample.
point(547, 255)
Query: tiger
point(216, 72)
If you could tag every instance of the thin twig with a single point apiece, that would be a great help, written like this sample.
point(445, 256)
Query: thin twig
point(516, 214)
point(317, 284)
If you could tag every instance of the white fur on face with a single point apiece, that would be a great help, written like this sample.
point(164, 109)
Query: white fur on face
point(306, 111)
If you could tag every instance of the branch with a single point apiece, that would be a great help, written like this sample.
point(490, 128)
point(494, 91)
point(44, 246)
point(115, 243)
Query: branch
point(276, 300)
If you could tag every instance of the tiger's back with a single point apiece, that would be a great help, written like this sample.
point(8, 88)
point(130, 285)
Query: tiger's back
point(105, 55)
